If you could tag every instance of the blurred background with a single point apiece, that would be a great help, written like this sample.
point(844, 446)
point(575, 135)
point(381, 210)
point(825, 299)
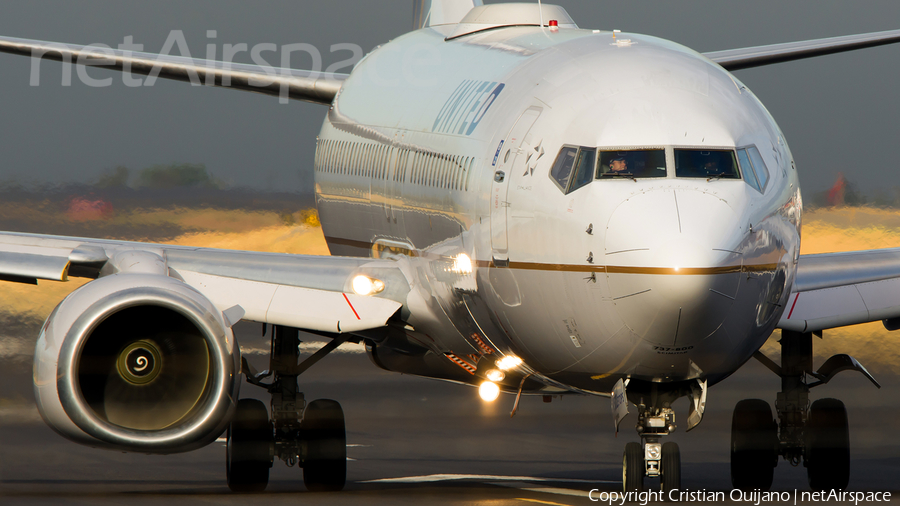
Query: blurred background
point(178, 164)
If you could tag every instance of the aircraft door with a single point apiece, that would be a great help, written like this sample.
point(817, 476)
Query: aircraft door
point(506, 161)
point(392, 173)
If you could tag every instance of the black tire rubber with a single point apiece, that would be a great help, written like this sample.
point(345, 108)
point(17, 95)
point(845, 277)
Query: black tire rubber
point(633, 468)
point(325, 467)
point(248, 448)
point(754, 441)
point(670, 468)
point(828, 445)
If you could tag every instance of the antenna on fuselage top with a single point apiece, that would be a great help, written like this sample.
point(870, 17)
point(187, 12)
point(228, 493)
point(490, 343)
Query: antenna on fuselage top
point(541, 11)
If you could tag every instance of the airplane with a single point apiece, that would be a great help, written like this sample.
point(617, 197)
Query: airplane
point(520, 223)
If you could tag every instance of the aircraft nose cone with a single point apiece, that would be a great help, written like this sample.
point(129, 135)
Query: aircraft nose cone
point(672, 265)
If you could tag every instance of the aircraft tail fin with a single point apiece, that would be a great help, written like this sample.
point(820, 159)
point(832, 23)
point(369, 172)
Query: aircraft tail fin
point(440, 12)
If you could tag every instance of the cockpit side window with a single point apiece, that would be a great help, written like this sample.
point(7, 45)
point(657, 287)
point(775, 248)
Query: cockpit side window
point(584, 168)
point(755, 171)
point(759, 167)
point(747, 169)
point(706, 163)
point(562, 167)
point(632, 164)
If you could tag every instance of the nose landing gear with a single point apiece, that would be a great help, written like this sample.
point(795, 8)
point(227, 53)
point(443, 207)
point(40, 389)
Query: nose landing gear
point(650, 458)
point(816, 435)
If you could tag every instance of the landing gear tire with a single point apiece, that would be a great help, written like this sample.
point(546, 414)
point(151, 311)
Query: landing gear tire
point(754, 437)
point(248, 451)
point(633, 468)
point(325, 466)
point(670, 468)
point(828, 445)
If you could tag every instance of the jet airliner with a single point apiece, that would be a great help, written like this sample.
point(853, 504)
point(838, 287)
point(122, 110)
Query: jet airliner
point(505, 225)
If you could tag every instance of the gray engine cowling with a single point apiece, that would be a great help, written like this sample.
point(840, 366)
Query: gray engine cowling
point(137, 362)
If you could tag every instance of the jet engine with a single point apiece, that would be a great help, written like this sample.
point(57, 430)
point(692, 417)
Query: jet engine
point(137, 362)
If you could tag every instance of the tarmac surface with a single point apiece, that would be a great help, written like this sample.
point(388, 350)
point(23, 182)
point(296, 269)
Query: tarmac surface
point(418, 441)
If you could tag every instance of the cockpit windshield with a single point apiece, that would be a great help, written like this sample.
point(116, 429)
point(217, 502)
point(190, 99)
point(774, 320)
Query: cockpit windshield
point(632, 164)
point(576, 167)
point(708, 163)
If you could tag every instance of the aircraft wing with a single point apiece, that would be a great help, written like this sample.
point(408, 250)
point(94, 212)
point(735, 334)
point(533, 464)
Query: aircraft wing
point(309, 86)
point(745, 58)
point(838, 289)
point(304, 291)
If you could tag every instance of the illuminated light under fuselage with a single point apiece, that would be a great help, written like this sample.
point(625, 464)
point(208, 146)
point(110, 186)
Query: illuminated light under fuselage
point(495, 375)
point(489, 391)
point(508, 362)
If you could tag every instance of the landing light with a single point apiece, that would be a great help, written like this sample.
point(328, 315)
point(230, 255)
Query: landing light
point(364, 285)
point(462, 264)
point(489, 391)
point(495, 375)
point(508, 362)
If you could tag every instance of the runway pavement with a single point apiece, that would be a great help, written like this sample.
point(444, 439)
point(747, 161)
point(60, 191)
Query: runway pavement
point(418, 441)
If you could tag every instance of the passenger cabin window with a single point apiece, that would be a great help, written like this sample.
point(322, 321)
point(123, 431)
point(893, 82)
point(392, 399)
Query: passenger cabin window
point(706, 163)
point(632, 164)
point(562, 167)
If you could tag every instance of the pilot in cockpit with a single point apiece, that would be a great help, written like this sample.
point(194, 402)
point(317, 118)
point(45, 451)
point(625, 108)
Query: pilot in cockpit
point(618, 164)
point(713, 169)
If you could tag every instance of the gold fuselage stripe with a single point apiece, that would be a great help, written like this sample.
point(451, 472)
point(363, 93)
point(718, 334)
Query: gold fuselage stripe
point(610, 269)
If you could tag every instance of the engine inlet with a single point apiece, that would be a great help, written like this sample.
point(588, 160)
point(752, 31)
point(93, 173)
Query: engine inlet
point(145, 368)
point(139, 363)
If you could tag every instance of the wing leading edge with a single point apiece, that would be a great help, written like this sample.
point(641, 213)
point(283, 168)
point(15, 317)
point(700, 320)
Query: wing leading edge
point(304, 291)
point(309, 86)
point(758, 56)
point(839, 289)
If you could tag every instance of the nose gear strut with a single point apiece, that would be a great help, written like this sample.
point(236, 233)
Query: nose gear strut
point(656, 419)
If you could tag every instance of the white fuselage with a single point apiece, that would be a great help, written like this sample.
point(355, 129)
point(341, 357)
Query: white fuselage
point(439, 148)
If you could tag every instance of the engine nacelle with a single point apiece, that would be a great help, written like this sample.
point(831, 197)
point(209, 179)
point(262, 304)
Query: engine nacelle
point(137, 362)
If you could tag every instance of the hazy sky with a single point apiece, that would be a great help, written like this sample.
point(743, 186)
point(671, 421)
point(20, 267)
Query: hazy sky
point(839, 113)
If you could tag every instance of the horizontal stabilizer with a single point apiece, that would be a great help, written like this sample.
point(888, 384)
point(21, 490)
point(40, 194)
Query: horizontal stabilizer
point(309, 86)
point(737, 59)
point(440, 12)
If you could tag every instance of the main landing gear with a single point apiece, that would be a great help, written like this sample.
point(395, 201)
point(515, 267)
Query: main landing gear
point(310, 436)
point(816, 435)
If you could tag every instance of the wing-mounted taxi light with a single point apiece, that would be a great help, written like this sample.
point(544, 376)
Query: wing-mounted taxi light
point(462, 264)
point(364, 285)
